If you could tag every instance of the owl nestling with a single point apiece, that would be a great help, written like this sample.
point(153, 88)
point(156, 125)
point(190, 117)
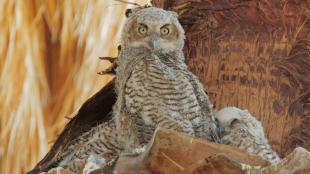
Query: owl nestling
point(239, 128)
point(154, 89)
point(153, 84)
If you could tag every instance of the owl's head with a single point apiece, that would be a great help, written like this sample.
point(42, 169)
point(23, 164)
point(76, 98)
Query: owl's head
point(232, 120)
point(154, 29)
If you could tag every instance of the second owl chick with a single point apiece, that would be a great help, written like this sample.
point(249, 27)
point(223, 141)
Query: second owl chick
point(240, 129)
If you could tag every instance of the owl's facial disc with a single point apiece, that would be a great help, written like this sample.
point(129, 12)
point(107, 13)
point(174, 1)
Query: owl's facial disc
point(155, 37)
point(153, 28)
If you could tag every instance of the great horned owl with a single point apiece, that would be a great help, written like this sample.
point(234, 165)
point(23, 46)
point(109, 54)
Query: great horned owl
point(153, 84)
point(154, 89)
point(239, 128)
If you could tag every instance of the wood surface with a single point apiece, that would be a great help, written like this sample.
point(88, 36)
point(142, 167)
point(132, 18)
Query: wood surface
point(254, 55)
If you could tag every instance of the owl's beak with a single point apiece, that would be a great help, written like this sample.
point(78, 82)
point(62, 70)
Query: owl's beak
point(154, 41)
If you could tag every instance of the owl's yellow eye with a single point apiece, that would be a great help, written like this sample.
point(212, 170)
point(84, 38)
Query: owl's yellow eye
point(142, 29)
point(164, 31)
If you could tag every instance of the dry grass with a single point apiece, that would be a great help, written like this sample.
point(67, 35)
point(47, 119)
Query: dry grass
point(48, 66)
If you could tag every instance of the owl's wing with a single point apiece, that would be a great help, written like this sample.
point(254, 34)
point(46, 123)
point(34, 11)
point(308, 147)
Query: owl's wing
point(145, 132)
point(94, 111)
point(201, 94)
point(205, 105)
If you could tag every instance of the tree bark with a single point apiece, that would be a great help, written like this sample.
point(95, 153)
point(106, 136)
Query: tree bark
point(254, 55)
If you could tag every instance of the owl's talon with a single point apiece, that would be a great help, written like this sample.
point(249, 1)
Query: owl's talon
point(139, 150)
point(96, 163)
point(135, 152)
point(93, 163)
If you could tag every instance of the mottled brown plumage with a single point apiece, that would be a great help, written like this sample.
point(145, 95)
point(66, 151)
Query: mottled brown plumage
point(154, 86)
point(241, 129)
point(154, 89)
point(94, 111)
point(100, 140)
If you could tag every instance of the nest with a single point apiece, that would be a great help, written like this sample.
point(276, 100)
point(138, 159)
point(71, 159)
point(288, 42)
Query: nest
point(172, 152)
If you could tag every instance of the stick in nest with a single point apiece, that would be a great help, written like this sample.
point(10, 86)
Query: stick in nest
point(111, 69)
point(131, 3)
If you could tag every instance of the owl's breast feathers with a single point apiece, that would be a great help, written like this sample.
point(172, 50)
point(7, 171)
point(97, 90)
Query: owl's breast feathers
point(159, 87)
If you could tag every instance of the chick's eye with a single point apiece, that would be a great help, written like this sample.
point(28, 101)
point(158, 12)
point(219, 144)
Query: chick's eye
point(164, 31)
point(142, 30)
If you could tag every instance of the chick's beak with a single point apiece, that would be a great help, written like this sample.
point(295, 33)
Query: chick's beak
point(154, 41)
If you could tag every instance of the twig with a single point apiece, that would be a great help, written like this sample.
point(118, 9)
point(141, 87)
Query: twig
point(110, 59)
point(67, 117)
point(131, 3)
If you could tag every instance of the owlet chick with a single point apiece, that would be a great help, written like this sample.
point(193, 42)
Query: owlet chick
point(154, 89)
point(153, 84)
point(239, 128)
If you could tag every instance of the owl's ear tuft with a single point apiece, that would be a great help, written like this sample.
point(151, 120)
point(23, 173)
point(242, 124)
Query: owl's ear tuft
point(128, 12)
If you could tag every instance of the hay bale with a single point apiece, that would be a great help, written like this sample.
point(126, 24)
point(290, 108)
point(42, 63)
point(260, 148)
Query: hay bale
point(48, 68)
